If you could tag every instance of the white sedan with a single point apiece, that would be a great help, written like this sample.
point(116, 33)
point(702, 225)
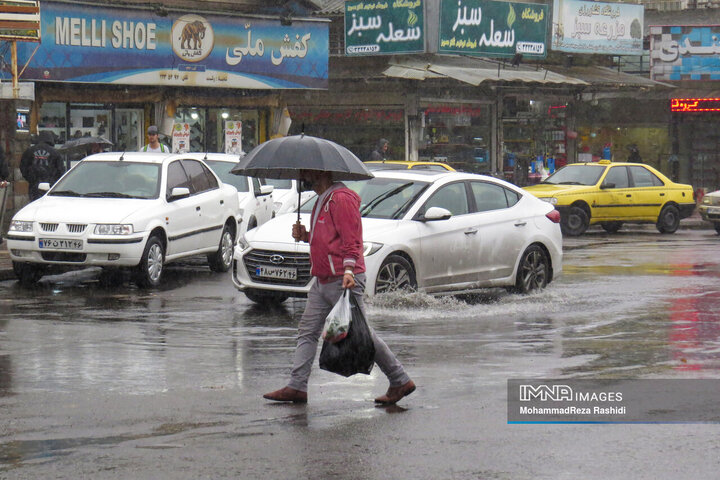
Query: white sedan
point(285, 195)
point(254, 195)
point(437, 232)
point(126, 211)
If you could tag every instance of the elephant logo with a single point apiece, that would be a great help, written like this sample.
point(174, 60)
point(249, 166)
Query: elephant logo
point(192, 38)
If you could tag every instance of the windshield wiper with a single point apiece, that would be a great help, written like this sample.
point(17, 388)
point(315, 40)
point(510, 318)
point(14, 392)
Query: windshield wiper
point(375, 201)
point(66, 193)
point(108, 195)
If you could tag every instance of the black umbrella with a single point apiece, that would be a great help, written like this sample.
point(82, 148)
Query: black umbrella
point(284, 158)
point(82, 143)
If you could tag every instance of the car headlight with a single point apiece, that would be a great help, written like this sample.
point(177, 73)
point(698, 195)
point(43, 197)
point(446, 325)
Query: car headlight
point(371, 247)
point(113, 229)
point(21, 226)
point(242, 242)
point(707, 200)
point(550, 200)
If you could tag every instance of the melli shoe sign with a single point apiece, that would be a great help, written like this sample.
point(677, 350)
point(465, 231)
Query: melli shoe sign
point(88, 44)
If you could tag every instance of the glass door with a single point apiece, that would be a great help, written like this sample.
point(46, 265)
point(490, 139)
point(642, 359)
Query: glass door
point(129, 134)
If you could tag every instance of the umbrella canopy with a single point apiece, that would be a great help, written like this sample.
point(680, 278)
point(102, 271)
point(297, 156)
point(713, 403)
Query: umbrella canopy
point(284, 158)
point(82, 143)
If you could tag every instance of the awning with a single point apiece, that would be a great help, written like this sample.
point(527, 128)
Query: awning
point(608, 77)
point(473, 71)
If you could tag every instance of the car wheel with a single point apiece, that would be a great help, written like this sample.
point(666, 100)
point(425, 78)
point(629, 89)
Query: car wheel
point(533, 271)
point(27, 273)
point(221, 261)
point(265, 297)
point(395, 273)
point(611, 227)
point(574, 222)
point(717, 228)
point(149, 271)
point(669, 219)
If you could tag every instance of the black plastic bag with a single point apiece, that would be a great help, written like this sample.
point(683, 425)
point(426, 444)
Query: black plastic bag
point(353, 354)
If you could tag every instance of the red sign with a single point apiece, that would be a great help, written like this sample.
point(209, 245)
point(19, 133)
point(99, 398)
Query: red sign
point(695, 105)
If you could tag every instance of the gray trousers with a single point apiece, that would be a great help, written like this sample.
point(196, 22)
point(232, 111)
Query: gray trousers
point(321, 299)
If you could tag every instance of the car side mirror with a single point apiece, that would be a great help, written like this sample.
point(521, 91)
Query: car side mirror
point(607, 185)
point(179, 192)
point(265, 190)
point(434, 214)
point(44, 186)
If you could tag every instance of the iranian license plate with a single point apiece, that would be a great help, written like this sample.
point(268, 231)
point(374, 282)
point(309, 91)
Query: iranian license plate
point(59, 244)
point(713, 210)
point(283, 273)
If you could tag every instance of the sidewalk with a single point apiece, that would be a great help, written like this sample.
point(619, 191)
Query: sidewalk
point(694, 222)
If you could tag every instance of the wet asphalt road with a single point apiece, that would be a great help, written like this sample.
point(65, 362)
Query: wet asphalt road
point(124, 383)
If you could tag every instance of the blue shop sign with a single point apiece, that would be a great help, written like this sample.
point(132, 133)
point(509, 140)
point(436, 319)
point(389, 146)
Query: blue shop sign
point(82, 43)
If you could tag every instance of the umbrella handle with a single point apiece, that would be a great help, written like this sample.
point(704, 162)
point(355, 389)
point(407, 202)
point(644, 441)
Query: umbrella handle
point(298, 206)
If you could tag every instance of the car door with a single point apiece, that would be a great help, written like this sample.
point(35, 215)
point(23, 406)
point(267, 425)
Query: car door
point(263, 202)
point(448, 248)
point(181, 217)
point(502, 229)
point(210, 204)
point(649, 194)
point(614, 196)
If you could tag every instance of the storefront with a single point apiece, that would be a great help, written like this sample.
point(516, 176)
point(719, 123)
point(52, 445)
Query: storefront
point(111, 71)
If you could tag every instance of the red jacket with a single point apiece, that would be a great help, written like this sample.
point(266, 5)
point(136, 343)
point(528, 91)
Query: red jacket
point(336, 234)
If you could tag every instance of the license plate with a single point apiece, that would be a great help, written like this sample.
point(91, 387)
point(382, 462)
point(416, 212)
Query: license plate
point(283, 273)
point(713, 210)
point(59, 244)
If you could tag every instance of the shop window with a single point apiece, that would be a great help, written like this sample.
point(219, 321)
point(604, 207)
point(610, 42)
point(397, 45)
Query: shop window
point(357, 129)
point(457, 134)
point(53, 117)
point(89, 121)
point(222, 122)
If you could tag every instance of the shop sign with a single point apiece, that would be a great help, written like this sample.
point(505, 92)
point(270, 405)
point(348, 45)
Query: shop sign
point(233, 137)
point(89, 44)
point(493, 28)
point(597, 27)
point(20, 20)
point(181, 137)
point(684, 53)
point(384, 27)
point(695, 105)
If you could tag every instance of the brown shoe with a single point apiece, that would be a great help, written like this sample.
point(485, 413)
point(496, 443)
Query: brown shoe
point(394, 394)
point(287, 394)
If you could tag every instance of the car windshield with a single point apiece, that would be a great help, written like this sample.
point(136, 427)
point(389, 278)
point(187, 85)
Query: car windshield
point(576, 175)
point(279, 184)
point(381, 197)
point(222, 170)
point(111, 179)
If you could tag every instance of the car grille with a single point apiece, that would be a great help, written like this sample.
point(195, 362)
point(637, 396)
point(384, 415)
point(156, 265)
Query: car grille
point(63, 257)
point(258, 258)
point(48, 227)
point(75, 227)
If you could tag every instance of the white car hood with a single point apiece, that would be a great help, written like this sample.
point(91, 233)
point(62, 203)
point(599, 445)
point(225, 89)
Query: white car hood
point(82, 210)
point(279, 229)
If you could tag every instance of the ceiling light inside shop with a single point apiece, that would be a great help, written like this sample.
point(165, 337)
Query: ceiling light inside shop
point(224, 114)
point(194, 115)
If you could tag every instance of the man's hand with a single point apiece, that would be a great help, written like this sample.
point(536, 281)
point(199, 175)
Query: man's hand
point(348, 280)
point(299, 232)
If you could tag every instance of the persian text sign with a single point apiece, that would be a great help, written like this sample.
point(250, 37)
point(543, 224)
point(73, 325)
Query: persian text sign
point(493, 29)
point(233, 137)
point(596, 27)
point(83, 43)
point(384, 27)
point(181, 138)
point(680, 53)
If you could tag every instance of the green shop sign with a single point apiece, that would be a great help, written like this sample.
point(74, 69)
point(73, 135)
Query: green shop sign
point(493, 29)
point(385, 27)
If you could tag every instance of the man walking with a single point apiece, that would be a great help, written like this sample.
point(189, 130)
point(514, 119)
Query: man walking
point(41, 163)
point(336, 256)
point(154, 144)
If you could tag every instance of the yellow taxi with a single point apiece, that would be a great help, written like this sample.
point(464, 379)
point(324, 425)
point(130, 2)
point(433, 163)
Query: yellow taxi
point(402, 164)
point(612, 193)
